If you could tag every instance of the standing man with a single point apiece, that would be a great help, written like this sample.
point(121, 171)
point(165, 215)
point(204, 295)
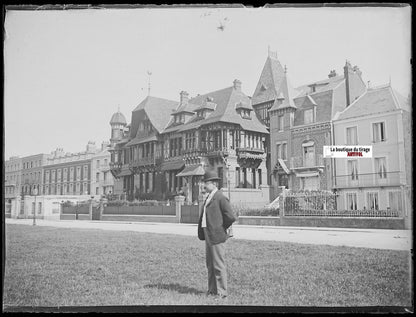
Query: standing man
point(216, 217)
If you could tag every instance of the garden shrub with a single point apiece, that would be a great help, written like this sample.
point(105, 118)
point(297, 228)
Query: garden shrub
point(116, 203)
point(146, 203)
point(241, 210)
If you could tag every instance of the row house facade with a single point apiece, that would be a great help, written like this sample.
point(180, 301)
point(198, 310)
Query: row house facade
point(380, 118)
point(12, 183)
point(12, 177)
point(55, 177)
point(32, 173)
point(299, 121)
point(102, 181)
point(69, 173)
point(171, 144)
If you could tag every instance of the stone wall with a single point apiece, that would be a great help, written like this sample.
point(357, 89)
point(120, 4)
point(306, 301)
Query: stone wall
point(330, 222)
point(343, 222)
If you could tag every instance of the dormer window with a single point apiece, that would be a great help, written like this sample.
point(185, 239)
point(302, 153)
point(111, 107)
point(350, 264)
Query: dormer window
point(243, 110)
point(308, 116)
point(201, 114)
point(179, 118)
point(245, 114)
point(263, 87)
point(207, 108)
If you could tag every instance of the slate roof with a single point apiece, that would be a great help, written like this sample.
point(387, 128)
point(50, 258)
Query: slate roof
point(186, 107)
point(142, 140)
point(182, 107)
point(269, 83)
point(375, 100)
point(287, 93)
point(225, 111)
point(320, 86)
point(118, 118)
point(158, 110)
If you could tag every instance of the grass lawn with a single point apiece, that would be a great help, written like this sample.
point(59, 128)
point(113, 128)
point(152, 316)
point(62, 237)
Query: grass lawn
point(48, 266)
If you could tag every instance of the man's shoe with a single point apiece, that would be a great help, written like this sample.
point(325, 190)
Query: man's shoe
point(220, 296)
point(210, 293)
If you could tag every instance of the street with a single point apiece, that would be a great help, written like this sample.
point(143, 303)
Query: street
point(364, 238)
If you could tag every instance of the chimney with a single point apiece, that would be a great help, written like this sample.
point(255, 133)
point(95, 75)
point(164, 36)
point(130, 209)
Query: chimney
point(332, 73)
point(184, 97)
point(237, 85)
point(348, 71)
point(104, 145)
point(91, 147)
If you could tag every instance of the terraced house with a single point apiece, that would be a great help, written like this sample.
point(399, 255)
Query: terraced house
point(171, 143)
point(69, 173)
point(299, 121)
point(12, 183)
point(32, 173)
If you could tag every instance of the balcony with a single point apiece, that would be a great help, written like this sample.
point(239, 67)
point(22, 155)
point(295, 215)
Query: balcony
point(370, 180)
point(206, 151)
point(144, 161)
point(299, 162)
point(115, 165)
point(251, 153)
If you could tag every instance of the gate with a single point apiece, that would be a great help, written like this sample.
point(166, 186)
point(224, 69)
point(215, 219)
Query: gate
point(8, 210)
point(189, 213)
point(96, 215)
point(22, 207)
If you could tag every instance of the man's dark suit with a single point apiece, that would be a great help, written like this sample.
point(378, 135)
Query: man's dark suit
point(219, 217)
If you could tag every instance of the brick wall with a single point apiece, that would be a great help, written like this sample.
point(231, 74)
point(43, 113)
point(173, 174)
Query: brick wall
point(320, 138)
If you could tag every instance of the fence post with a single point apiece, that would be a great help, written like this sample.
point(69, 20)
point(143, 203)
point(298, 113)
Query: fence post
point(179, 200)
point(90, 209)
point(282, 210)
point(101, 208)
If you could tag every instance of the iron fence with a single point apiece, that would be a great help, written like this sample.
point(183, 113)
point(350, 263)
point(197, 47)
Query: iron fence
point(324, 204)
point(344, 213)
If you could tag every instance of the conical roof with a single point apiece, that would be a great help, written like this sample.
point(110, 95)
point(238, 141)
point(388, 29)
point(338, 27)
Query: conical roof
point(286, 95)
point(268, 86)
point(118, 118)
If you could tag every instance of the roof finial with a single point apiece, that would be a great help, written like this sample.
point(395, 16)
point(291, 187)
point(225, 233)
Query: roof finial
point(390, 80)
point(272, 54)
point(149, 73)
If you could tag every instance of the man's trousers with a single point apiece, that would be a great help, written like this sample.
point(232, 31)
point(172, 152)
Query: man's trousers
point(217, 271)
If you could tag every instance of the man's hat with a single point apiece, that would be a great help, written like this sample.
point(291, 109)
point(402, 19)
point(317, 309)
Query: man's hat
point(211, 176)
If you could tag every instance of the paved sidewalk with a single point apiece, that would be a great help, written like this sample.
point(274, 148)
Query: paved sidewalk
point(365, 238)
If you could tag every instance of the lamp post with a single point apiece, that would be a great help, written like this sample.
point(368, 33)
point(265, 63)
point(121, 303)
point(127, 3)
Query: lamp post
point(34, 193)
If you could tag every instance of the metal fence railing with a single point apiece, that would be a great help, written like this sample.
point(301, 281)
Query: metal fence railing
point(140, 210)
point(344, 213)
point(324, 204)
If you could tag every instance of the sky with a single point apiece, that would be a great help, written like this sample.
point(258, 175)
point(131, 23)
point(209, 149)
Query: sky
point(68, 71)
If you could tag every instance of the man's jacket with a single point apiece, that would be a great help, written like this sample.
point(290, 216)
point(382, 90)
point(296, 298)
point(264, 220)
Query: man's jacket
point(219, 216)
